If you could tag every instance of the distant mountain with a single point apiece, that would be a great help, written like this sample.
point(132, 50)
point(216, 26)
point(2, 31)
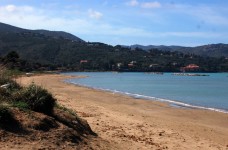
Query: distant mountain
point(160, 47)
point(5, 28)
point(210, 50)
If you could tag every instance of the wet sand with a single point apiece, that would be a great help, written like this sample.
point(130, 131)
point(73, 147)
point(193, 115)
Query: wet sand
point(129, 123)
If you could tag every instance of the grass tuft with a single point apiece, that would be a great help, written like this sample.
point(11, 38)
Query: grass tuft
point(70, 111)
point(21, 105)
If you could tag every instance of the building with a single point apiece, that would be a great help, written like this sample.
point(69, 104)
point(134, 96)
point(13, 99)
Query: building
point(132, 64)
point(83, 61)
point(190, 67)
point(119, 65)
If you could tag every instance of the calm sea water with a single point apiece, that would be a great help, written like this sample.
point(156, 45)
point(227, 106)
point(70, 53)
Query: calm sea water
point(206, 92)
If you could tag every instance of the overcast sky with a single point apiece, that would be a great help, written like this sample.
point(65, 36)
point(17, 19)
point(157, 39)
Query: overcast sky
point(125, 22)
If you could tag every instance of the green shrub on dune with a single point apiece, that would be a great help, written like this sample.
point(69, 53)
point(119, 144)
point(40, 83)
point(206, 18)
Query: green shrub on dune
point(32, 97)
point(7, 87)
point(37, 98)
point(21, 105)
point(4, 93)
point(7, 82)
point(5, 115)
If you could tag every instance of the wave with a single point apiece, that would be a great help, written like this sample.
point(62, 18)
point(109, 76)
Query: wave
point(139, 96)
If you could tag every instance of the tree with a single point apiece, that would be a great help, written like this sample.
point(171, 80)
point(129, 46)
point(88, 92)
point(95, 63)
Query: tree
point(11, 57)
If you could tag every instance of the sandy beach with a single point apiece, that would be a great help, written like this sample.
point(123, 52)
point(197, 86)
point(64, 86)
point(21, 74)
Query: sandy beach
point(128, 123)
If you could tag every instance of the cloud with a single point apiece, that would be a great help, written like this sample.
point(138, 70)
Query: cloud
point(151, 5)
point(35, 18)
point(206, 14)
point(14, 9)
point(209, 15)
point(94, 14)
point(144, 4)
point(133, 3)
point(41, 18)
point(10, 8)
point(190, 34)
point(82, 25)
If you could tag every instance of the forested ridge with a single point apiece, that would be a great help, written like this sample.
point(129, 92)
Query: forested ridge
point(58, 52)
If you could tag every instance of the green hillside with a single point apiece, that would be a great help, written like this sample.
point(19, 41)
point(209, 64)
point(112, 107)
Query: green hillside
point(58, 52)
point(210, 50)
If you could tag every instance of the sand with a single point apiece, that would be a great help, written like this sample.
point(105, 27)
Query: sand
point(128, 123)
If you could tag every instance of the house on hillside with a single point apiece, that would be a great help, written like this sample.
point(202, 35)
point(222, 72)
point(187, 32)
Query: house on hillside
point(83, 61)
point(154, 65)
point(132, 64)
point(190, 67)
point(119, 65)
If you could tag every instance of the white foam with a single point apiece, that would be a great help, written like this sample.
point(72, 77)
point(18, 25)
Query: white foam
point(139, 96)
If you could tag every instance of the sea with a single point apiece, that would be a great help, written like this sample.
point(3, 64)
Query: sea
point(202, 92)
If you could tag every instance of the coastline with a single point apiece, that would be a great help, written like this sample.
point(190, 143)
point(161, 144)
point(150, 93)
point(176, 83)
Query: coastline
point(136, 123)
point(171, 103)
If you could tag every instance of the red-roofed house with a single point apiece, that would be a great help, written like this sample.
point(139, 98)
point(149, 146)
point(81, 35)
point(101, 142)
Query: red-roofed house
point(83, 61)
point(190, 67)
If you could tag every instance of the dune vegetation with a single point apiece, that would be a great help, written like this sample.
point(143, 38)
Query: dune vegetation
point(31, 114)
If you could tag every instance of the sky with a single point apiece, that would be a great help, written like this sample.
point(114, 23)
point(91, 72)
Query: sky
point(125, 22)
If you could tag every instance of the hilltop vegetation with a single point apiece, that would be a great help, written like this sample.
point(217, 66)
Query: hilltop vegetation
point(5, 28)
point(47, 52)
point(210, 50)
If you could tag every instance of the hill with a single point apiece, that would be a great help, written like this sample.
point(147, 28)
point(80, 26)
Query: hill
point(58, 53)
point(5, 28)
point(160, 47)
point(210, 50)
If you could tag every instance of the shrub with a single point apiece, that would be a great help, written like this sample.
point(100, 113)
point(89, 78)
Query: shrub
point(7, 120)
point(21, 105)
point(5, 115)
point(4, 95)
point(4, 92)
point(7, 79)
point(37, 98)
point(3, 80)
point(3, 77)
point(61, 107)
point(13, 85)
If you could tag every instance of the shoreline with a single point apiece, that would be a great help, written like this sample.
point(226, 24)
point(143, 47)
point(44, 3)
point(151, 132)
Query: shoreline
point(171, 103)
point(129, 123)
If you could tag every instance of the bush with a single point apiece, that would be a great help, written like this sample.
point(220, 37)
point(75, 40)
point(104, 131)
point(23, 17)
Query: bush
point(13, 85)
point(70, 111)
point(4, 95)
point(4, 92)
point(37, 98)
point(21, 105)
point(5, 115)
point(7, 120)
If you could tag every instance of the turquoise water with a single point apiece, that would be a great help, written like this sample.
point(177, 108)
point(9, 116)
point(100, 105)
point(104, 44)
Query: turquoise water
point(206, 92)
